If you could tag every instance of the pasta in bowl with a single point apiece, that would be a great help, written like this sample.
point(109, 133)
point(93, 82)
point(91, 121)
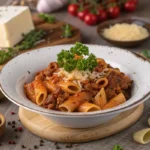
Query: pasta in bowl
point(85, 85)
point(66, 83)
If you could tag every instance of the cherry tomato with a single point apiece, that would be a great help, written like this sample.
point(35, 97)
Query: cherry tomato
point(135, 1)
point(73, 9)
point(114, 12)
point(130, 6)
point(82, 14)
point(91, 19)
point(102, 15)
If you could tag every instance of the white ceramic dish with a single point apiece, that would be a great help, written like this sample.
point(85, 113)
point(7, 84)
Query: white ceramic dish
point(22, 69)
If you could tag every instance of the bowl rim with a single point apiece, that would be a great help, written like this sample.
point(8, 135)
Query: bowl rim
point(81, 114)
point(121, 20)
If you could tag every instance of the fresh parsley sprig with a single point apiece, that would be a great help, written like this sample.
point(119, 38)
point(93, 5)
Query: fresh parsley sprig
point(77, 57)
point(117, 147)
point(67, 33)
point(47, 18)
point(28, 42)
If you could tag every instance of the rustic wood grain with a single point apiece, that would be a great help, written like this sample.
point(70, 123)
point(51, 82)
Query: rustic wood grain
point(123, 138)
point(48, 130)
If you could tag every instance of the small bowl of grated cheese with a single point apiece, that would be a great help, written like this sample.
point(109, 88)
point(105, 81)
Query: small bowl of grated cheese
point(129, 32)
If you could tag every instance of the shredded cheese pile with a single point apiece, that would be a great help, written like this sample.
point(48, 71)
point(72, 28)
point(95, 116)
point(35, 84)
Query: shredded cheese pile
point(80, 75)
point(126, 32)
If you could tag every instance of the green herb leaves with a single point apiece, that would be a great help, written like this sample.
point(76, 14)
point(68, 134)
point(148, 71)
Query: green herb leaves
point(30, 39)
point(28, 42)
point(117, 147)
point(6, 55)
point(67, 31)
point(75, 58)
point(146, 53)
point(47, 18)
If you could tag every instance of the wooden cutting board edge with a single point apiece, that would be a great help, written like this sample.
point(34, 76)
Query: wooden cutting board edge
point(44, 128)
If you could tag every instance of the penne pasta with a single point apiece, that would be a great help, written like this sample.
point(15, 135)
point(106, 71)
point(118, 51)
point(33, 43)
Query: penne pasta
point(29, 90)
point(102, 62)
point(100, 98)
point(88, 107)
point(102, 82)
point(142, 136)
point(75, 101)
point(40, 92)
point(50, 86)
point(69, 87)
point(119, 99)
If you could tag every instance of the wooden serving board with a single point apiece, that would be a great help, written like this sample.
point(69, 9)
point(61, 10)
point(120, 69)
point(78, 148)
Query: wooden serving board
point(54, 36)
point(44, 128)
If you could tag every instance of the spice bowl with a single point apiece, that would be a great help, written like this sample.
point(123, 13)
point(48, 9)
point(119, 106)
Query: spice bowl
point(129, 20)
point(2, 124)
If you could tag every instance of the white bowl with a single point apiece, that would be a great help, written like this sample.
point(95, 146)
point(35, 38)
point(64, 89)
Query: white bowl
point(22, 69)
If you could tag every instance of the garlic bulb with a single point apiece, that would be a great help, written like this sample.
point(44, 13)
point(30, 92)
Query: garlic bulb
point(46, 6)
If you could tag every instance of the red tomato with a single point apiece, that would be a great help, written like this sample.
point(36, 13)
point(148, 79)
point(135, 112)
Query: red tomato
point(102, 15)
point(114, 12)
point(130, 6)
point(82, 14)
point(73, 9)
point(91, 19)
point(135, 1)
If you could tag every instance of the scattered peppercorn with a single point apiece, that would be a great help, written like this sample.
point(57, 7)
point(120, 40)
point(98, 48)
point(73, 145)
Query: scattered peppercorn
point(69, 146)
point(9, 123)
point(16, 136)
point(16, 130)
point(13, 122)
point(13, 142)
point(13, 126)
point(55, 143)
point(41, 141)
point(20, 129)
point(23, 146)
point(35, 147)
point(41, 144)
point(13, 113)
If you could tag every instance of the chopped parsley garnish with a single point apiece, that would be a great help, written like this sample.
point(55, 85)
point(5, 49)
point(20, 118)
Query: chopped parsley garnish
point(77, 57)
point(47, 18)
point(67, 33)
point(146, 53)
point(117, 147)
point(28, 42)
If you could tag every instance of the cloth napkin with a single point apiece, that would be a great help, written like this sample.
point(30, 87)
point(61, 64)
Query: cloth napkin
point(46, 6)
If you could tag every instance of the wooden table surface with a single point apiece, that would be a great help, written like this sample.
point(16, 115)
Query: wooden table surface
point(124, 138)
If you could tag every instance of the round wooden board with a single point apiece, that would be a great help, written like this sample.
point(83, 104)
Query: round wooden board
point(44, 128)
